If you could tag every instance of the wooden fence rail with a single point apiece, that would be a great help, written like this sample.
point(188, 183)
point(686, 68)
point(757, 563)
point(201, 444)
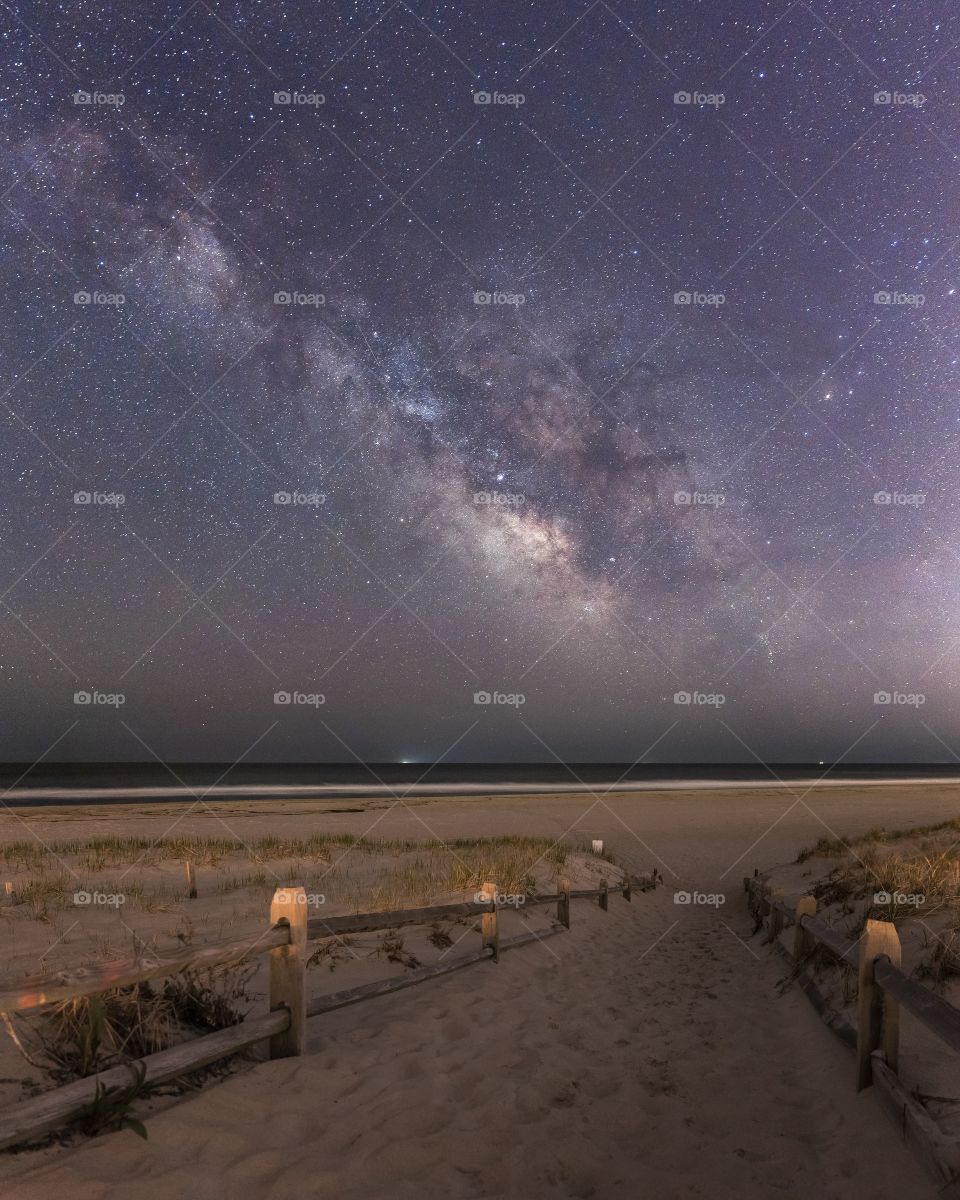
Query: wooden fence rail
point(285, 1025)
point(882, 990)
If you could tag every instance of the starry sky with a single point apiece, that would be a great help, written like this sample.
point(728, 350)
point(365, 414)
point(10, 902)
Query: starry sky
point(606, 355)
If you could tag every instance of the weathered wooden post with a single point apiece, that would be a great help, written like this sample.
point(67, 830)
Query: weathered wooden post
point(488, 922)
point(191, 877)
point(288, 971)
point(604, 895)
point(806, 907)
point(878, 1016)
point(776, 914)
point(9, 895)
point(563, 903)
point(627, 893)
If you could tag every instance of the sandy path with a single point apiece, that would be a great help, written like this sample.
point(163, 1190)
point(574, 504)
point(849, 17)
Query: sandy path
point(646, 1050)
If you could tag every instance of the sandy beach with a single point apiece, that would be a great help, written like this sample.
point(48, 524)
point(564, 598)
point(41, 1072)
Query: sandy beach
point(647, 1050)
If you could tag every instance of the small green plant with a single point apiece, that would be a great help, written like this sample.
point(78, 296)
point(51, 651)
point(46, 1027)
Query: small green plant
point(109, 1108)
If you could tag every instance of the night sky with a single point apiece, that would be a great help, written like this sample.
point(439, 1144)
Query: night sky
point(453, 333)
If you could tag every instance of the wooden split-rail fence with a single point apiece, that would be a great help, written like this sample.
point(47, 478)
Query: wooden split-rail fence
point(883, 989)
point(284, 1026)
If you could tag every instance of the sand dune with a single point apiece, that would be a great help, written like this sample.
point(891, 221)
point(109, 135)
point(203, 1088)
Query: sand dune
point(647, 1051)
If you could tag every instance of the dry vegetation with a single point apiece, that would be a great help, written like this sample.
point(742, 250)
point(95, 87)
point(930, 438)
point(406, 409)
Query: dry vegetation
point(919, 868)
point(42, 923)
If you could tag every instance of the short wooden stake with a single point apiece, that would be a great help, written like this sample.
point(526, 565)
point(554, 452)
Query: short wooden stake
point(9, 896)
point(191, 876)
point(563, 903)
point(776, 914)
point(627, 893)
point(288, 971)
point(604, 896)
point(488, 922)
point(806, 907)
point(878, 1016)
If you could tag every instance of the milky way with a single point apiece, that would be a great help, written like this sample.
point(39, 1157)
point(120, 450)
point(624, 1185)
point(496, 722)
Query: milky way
point(599, 355)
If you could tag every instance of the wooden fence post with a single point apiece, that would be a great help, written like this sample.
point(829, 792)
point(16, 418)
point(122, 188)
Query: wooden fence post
point(191, 877)
point(878, 1016)
point(488, 922)
point(806, 907)
point(563, 904)
point(776, 914)
point(288, 971)
point(604, 895)
point(627, 893)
